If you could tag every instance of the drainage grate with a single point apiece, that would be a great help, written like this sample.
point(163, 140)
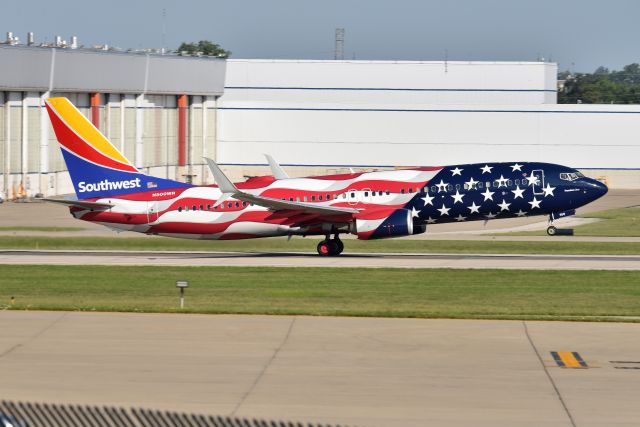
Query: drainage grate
point(621, 364)
point(21, 414)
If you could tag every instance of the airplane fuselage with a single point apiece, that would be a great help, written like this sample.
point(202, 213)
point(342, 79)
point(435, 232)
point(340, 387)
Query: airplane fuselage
point(391, 203)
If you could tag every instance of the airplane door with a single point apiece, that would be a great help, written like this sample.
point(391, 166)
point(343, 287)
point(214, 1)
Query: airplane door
point(538, 185)
point(152, 211)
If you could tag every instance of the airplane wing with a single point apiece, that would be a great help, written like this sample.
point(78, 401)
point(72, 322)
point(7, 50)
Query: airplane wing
point(278, 172)
point(80, 204)
point(230, 190)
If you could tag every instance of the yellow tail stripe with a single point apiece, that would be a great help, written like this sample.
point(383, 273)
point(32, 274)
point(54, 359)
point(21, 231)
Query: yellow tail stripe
point(85, 129)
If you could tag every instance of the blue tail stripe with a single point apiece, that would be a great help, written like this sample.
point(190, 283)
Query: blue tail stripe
point(91, 180)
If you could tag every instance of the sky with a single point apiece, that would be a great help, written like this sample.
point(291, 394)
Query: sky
point(578, 35)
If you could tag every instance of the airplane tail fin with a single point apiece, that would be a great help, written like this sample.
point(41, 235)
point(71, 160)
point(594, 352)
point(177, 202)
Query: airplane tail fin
point(96, 167)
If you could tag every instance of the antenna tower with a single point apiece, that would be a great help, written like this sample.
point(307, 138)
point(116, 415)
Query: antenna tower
point(338, 53)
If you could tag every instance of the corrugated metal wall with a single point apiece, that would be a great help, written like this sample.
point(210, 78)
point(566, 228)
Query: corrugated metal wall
point(35, 164)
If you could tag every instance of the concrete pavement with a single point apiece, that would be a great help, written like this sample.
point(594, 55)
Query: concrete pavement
point(301, 259)
point(352, 371)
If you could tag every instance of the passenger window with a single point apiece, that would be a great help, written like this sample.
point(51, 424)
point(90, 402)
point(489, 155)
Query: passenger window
point(313, 198)
point(208, 207)
point(201, 207)
point(410, 190)
point(229, 205)
point(480, 184)
point(328, 196)
point(433, 189)
point(291, 199)
point(297, 199)
point(244, 204)
point(450, 187)
point(366, 194)
point(457, 186)
point(304, 199)
point(388, 192)
point(353, 195)
point(194, 208)
point(402, 191)
point(180, 209)
point(509, 183)
point(320, 197)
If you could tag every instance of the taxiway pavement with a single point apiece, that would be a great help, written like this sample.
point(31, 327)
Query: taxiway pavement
point(294, 259)
point(349, 371)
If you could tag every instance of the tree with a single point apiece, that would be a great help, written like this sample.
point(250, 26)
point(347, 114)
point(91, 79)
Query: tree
point(205, 47)
point(603, 87)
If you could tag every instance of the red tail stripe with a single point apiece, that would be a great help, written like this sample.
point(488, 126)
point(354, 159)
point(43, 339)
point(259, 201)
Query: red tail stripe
point(76, 145)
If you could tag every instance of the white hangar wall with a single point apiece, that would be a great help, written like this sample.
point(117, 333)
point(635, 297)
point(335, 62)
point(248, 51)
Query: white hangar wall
point(313, 129)
point(354, 82)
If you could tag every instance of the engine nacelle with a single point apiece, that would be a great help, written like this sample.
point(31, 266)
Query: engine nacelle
point(381, 225)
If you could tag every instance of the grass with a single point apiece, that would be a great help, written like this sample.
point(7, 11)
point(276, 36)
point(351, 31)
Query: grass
point(614, 222)
point(439, 293)
point(623, 222)
point(45, 229)
point(309, 245)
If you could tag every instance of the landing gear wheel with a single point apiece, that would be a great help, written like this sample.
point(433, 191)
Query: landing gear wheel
point(340, 246)
point(551, 230)
point(327, 248)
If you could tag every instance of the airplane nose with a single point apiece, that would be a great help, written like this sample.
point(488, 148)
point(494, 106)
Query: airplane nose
point(596, 189)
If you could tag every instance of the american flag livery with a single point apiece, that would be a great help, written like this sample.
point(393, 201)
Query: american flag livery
point(372, 205)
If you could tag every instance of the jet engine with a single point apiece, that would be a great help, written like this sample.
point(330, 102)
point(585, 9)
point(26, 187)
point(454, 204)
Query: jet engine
point(373, 225)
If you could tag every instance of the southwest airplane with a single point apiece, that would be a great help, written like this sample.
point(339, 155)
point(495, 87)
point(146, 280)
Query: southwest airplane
point(371, 205)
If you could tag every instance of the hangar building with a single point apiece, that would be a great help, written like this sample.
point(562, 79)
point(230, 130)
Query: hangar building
point(166, 112)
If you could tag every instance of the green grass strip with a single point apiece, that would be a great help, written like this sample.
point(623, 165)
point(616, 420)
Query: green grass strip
point(422, 293)
point(623, 222)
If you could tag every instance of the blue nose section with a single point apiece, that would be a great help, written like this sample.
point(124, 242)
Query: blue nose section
point(595, 189)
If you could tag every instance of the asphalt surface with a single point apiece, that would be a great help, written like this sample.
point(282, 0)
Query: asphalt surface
point(383, 260)
point(348, 371)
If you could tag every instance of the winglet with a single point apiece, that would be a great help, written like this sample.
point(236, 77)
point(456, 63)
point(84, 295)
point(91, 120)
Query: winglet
point(226, 186)
point(277, 170)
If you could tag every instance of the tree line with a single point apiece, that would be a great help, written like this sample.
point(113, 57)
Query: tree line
point(601, 87)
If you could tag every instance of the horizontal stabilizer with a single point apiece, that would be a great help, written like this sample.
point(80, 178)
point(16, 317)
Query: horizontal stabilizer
point(80, 204)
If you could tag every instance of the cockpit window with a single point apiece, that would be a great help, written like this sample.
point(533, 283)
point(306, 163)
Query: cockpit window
point(571, 176)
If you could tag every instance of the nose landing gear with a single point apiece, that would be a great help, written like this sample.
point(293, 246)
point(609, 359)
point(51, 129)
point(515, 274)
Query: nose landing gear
point(330, 247)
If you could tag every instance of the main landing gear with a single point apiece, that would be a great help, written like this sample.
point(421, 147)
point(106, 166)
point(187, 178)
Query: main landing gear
point(330, 247)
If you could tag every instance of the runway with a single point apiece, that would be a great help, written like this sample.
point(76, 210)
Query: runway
point(293, 259)
point(347, 371)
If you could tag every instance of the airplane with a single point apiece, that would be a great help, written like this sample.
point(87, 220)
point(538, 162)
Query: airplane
point(371, 205)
